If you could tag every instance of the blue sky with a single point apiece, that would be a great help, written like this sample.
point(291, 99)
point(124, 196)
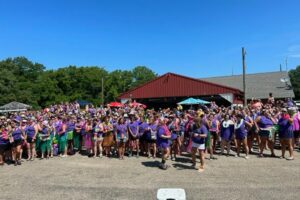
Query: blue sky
point(191, 37)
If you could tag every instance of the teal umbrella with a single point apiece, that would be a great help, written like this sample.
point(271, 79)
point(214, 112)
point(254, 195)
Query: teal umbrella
point(192, 101)
point(189, 101)
point(203, 101)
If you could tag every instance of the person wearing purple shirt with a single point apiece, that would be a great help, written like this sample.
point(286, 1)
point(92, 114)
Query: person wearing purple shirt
point(18, 135)
point(296, 129)
point(121, 137)
point(142, 128)
point(199, 134)
point(241, 135)
point(163, 136)
point(133, 130)
point(264, 124)
point(286, 134)
point(31, 131)
point(227, 130)
point(151, 136)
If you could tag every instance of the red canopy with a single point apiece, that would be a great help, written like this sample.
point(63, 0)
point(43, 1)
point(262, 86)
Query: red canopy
point(115, 104)
point(136, 104)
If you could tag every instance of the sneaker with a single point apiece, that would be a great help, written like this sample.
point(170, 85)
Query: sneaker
point(247, 157)
point(19, 162)
point(290, 158)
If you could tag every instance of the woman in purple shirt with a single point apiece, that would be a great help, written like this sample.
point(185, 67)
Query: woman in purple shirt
point(133, 130)
point(241, 134)
point(18, 136)
point(31, 131)
point(264, 124)
point(199, 134)
point(163, 136)
point(286, 134)
point(121, 137)
point(151, 136)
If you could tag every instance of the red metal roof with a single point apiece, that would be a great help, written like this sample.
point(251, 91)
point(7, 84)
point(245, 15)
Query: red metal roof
point(174, 85)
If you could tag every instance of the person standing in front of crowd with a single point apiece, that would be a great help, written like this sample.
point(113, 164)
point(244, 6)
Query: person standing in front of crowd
point(62, 137)
point(108, 136)
point(264, 124)
point(296, 129)
point(286, 134)
point(121, 136)
point(199, 133)
point(45, 136)
point(151, 136)
point(18, 136)
point(227, 130)
point(77, 135)
point(163, 136)
point(174, 127)
point(98, 138)
point(88, 135)
point(133, 130)
point(4, 143)
point(143, 125)
point(214, 129)
point(241, 134)
point(70, 126)
point(31, 132)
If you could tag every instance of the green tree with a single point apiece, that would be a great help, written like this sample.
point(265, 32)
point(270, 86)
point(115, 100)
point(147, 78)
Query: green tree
point(295, 80)
point(141, 75)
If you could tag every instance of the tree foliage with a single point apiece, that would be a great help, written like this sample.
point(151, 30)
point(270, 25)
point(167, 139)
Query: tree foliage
point(28, 82)
point(295, 80)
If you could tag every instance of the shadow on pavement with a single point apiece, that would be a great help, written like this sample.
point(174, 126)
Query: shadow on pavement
point(151, 164)
point(183, 160)
point(179, 166)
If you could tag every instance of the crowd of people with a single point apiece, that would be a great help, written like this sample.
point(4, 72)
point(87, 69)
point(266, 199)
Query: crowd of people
point(132, 130)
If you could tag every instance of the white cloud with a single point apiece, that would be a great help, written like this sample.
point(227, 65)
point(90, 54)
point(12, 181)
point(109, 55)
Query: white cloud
point(295, 55)
point(294, 48)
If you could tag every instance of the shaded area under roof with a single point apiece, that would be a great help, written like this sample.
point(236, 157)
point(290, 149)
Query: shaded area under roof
point(258, 85)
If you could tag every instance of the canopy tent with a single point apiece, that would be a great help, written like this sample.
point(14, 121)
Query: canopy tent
point(193, 101)
point(14, 107)
point(136, 104)
point(115, 104)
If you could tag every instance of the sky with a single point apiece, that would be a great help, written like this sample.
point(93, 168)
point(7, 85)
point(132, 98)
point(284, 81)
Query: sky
point(197, 38)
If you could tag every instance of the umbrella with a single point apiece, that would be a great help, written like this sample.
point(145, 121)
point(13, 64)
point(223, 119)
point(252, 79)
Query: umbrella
point(203, 101)
point(116, 104)
point(192, 101)
point(136, 104)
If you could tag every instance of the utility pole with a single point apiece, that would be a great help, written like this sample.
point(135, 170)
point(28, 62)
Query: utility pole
point(102, 91)
point(244, 75)
point(280, 68)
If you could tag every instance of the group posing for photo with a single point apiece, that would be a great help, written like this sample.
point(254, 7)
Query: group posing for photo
point(64, 130)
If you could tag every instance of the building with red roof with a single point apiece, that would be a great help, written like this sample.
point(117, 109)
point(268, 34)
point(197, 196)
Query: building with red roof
point(170, 88)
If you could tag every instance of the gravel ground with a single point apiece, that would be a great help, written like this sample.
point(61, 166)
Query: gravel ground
point(80, 177)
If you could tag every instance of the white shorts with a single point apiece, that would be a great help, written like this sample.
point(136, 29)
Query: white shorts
point(198, 146)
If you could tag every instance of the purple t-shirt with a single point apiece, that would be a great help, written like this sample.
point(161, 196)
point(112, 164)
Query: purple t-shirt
point(201, 130)
point(121, 130)
point(133, 126)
